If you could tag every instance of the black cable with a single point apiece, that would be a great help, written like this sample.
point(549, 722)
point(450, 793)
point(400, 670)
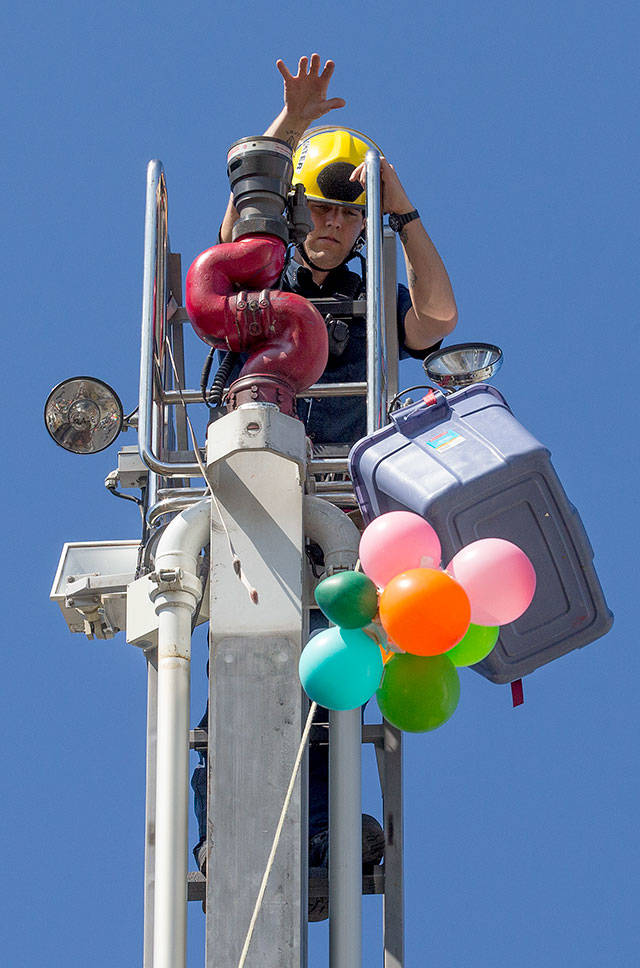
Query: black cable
point(204, 378)
point(288, 256)
point(123, 497)
point(128, 417)
point(214, 396)
point(419, 386)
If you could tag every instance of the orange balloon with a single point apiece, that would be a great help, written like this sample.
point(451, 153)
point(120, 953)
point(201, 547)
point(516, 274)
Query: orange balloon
point(425, 611)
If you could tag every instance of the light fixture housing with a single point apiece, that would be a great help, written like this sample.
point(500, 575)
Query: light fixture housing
point(460, 365)
point(83, 415)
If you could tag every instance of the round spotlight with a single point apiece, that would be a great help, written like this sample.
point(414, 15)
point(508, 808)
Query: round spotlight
point(83, 415)
point(454, 367)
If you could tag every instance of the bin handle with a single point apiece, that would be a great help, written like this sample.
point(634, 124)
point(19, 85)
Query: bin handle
point(406, 418)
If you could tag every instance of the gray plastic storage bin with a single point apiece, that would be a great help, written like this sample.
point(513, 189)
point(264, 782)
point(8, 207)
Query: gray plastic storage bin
point(465, 464)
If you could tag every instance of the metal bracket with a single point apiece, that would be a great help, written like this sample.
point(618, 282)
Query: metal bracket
point(99, 601)
point(174, 580)
point(168, 579)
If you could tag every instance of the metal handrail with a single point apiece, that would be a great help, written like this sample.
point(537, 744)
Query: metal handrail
point(171, 505)
point(154, 324)
point(376, 353)
point(382, 341)
point(155, 397)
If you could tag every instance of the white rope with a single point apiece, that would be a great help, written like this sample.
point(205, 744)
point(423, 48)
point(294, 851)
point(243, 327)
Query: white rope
point(305, 734)
point(235, 558)
point(276, 839)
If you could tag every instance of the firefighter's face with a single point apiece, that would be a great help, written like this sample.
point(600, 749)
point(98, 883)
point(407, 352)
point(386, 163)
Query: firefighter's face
point(335, 230)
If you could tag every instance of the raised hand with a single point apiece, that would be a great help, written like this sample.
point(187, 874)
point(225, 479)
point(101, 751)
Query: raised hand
point(305, 93)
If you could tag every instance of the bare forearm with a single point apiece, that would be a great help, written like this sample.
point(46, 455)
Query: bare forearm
point(287, 128)
point(433, 312)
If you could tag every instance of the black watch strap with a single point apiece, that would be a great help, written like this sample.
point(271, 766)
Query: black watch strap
point(397, 221)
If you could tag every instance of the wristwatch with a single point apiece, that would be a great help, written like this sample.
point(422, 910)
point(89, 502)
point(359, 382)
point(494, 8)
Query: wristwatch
point(397, 221)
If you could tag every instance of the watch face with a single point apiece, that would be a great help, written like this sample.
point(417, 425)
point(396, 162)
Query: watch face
point(397, 221)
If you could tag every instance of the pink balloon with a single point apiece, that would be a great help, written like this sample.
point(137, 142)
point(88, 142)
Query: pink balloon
point(398, 541)
point(498, 578)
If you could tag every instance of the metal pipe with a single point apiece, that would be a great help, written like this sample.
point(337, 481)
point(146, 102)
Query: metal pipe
point(172, 397)
point(167, 492)
point(342, 499)
point(150, 806)
point(172, 504)
point(376, 350)
point(338, 537)
point(175, 598)
point(336, 390)
point(336, 533)
point(345, 840)
point(345, 769)
point(328, 465)
point(154, 313)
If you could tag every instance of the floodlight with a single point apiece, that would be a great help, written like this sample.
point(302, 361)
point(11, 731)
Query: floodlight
point(454, 367)
point(83, 415)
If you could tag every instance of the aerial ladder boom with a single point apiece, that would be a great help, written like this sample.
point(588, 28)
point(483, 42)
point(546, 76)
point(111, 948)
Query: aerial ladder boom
point(257, 708)
point(224, 536)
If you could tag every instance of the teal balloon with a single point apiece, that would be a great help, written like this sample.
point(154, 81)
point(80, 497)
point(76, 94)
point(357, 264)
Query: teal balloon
point(348, 599)
point(475, 646)
point(419, 693)
point(341, 668)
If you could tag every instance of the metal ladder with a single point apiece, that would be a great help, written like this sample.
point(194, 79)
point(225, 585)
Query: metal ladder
point(164, 447)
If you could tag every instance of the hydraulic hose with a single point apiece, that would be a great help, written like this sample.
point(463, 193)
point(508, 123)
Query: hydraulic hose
point(214, 397)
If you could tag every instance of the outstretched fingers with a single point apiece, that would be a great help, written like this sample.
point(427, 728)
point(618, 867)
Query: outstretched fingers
point(310, 66)
point(284, 70)
point(328, 70)
point(314, 65)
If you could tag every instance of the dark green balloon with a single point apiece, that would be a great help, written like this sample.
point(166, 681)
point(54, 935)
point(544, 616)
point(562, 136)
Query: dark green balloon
point(475, 646)
point(348, 599)
point(418, 693)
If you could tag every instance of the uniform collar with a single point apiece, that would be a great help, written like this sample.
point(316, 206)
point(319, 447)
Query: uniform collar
point(299, 278)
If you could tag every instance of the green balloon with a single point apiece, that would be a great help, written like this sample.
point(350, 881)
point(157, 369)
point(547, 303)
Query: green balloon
point(418, 693)
point(475, 646)
point(348, 599)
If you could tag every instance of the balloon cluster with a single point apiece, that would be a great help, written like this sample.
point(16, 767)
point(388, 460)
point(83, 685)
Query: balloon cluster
point(403, 627)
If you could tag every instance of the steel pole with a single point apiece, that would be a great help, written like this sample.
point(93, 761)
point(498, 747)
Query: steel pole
point(150, 808)
point(176, 592)
point(345, 765)
point(376, 349)
point(345, 839)
point(170, 921)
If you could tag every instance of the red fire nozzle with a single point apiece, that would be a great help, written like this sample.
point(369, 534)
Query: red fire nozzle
point(231, 305)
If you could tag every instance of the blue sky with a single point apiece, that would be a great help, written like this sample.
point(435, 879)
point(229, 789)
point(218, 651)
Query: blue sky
point(514, 130)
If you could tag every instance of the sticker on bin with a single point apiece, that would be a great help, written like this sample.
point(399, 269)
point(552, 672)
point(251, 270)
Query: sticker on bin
point(445, 440)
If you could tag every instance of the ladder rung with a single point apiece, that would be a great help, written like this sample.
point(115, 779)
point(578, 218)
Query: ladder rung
point(197, 739)
point(371, 733)
point(372, 883)
point(196, 886)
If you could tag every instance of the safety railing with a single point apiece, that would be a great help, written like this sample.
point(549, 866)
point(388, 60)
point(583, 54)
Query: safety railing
point(382, 341)
point(159, 397)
